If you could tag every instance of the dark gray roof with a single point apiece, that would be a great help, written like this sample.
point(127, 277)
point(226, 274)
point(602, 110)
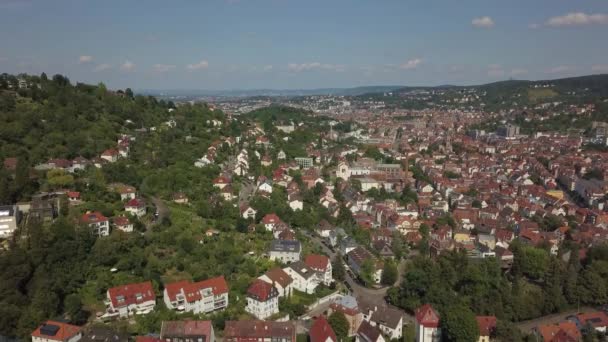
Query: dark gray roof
point(387, 316)
point(300, 268)
point(285, 246)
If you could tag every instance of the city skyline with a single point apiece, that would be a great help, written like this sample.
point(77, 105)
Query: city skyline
point(283, 44)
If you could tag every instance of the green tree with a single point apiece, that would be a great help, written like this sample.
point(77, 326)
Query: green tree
point(459, 324)
point(389, 273)
point(339, 324)
point(367, 271)
point(338, 270)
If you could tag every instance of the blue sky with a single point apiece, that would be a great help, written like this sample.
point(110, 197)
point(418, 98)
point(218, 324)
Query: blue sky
point(245, 44)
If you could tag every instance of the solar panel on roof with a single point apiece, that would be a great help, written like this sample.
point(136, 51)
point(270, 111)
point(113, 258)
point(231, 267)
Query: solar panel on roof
point(49, 329)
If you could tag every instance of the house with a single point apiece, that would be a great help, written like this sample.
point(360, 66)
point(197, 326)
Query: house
point(111, 155)
point(368, 184)
point(561, 332)
point(56, 331)
point(358, 256)
point(280, 279)
point(97, 222)
point(349, 307)
point(9, 219)
point(598, 320)
point(270, 221)
point(304, 279)
point(262, 299)
point(227, 193)
point(131, 299)
point(389, 320)
point(347, 245)
point(136, 207)
point(221, 182)
point(199, 297)
point(295, 202)
point(368, 333)
point(285, 251)
point(321, 331)
point(322, 265)
point(248, 331)
point(127, 193)
point(73, 196)
point(487, 327)
point(123, 223)
point(180, 198)
point(247, 212)
point(179, 331)
point(427, 324)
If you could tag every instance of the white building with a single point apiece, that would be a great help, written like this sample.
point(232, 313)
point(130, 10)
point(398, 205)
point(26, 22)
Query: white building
point(128, 300)
point(285, 251)
point(9, 218)
point(304, 279)
point(99, 224)
point(427, 324)
point(280, 279)
point(136, 207)
point(262, 299)
point(200, 297)
point(322, 265)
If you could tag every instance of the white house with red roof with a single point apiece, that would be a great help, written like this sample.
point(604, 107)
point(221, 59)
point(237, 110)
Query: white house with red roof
point(52, 331)
point(136, 207)
point(221, 182)
point(123, 223)
point(262, 299)
point(322, 265)
point(270, 221)
point(111, 155)
point(427, 324)
point(97, 222)
point(247, 212)
point(199, 297)
point(73, 196)
point(280, 279)
point(128, 300)
point(126, 192)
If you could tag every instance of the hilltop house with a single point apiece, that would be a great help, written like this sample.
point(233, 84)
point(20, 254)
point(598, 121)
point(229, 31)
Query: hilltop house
point(199, 297)
point(128, 300)
point(262, 299)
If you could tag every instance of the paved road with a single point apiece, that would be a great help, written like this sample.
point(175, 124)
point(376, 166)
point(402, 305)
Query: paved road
point(247, 190)
point(527, 326)
point(161, 209)
point(375, 296)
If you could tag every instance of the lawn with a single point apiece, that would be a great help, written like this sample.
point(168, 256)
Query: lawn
point(535, 95)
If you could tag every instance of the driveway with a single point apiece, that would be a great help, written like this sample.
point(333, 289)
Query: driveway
point(161, 209)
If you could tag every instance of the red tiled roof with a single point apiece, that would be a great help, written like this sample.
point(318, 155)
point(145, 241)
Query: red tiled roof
point(486, 324)
point(217, 285)
point(321, 331)
point(562, 332)
point(271, 219)
point(121, 221)
point(597, 319)
point(65, 332)
point(131, 294)
point(427, 316)
point(110, 152)
point(135, 203)
point(317, 262)
point(93, 217)
point(261, 290)
point(73, 194)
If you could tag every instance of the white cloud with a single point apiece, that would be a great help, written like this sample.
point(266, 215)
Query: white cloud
point(267, 67)
point(294, 67)
point(560, 69)
point(127, 66)
point(198, 66)
point(411, 64)
point(495, 70)
point(102, 67)
point(533, 26)
point(600, 68)
point(163, 67)
point(518, 71)
point(85, 59)
point(483, 22)
point(578, 19)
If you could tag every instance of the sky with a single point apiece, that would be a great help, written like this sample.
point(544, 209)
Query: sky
point(302, 44)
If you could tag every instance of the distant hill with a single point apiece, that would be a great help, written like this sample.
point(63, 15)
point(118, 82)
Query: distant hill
point(270, 92)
